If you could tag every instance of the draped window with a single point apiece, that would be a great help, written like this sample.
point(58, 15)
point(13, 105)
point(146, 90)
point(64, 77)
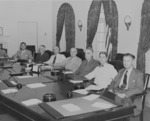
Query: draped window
point(66, 17)
point(144, 40)
point(111, 17)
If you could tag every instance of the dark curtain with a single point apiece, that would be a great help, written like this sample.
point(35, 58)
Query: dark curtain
point(66, 16)
point(144, 40)
point(92, 22)
point(111, 17)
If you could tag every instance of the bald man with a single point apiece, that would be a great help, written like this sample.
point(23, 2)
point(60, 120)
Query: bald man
point(71, 63)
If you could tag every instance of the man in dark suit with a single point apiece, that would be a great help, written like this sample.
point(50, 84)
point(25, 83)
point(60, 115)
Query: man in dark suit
point(128, 82)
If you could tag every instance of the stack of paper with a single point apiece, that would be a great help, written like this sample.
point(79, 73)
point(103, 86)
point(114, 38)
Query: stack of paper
point(93, 87)
point(91, 97)
point(102, 105)
point(36, 85)
point(81, 91)
point(7, 91)
point(31, 102)
point(71, 107)
point(76, 81)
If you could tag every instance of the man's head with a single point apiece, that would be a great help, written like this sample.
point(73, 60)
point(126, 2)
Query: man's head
point(42, 49)
point(128, 60)
point(103, 57)
point(73, 52)
point(56, 50)
point(88, 53)
point(22, 45)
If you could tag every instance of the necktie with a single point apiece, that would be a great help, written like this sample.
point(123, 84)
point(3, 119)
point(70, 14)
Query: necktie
point(123, 86)
point(54, 59)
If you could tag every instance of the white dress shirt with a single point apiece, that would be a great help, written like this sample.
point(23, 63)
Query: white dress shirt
point(128, 75)
point(103, 75)
point(59, 58)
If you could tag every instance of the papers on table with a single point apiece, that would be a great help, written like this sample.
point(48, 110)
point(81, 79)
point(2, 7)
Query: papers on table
point(67, 72)
point(26, 76)
point(102, 105)
point(7, 91)
point(14, 83)
point(93, 87)
point(76, 81)
point(81, 91)
point(36, 85)
point(31, 102)
point(71, 107)
point(91, 97)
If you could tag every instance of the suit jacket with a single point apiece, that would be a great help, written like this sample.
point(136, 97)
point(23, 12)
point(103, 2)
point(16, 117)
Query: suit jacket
point(41, 58)
point(87, 67)
point(26, 55)
point(135, 85)
point(59, 58)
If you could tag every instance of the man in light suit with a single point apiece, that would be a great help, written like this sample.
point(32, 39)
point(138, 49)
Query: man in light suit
point(128, 82)
point(23, 53)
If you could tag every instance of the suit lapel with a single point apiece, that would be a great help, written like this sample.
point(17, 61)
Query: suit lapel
point(131, 77)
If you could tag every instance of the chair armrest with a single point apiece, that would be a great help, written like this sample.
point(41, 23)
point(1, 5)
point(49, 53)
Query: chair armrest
point(138, 95)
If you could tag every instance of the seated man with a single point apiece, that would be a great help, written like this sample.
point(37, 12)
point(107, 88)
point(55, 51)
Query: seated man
point(129, 81)
point(56, 58)
point(42, 56)
point(87, 65)
point(3, 52)
point(71, 63)
point(104, 73)
point(23, 53)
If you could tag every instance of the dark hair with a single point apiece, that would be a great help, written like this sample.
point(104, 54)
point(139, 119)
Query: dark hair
point(89, 48)
point(103, 52)
point(23, 43)
point(130, 55)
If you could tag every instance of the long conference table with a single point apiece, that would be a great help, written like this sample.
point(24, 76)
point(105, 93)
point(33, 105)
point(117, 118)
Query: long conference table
point(13, 101)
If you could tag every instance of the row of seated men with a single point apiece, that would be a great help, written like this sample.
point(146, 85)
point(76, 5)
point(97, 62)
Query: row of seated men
point(125, 83)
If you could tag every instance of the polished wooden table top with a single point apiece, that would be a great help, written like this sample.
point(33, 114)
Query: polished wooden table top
point(59, 88)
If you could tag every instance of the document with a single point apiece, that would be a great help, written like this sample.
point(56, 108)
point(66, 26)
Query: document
point(14, 83)
point(71, 107)
point(103, 105)
point(76, 81)
point(81, 91)
point(26, 76)
point(91, 97)
point(7, 91)
point(31, 102)
point(67, 72)
point(93, 87)
point(36, 85)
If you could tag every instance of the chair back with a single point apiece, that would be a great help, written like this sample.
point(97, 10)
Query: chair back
point(31, 48)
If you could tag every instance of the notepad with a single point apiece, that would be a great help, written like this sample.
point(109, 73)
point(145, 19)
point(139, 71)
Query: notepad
point(71, 107)
point(93, 87)
point(91, 97)
point(81, 91)
point(31, 102)
point(102, 105)
point(36, 85)
point(76, 81)
point(7, 91)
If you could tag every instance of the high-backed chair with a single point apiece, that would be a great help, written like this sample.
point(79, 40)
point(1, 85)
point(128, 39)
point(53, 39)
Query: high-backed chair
point(143, 94)
point(31, 48)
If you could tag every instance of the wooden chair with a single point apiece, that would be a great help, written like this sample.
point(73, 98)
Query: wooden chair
point(143, 94)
